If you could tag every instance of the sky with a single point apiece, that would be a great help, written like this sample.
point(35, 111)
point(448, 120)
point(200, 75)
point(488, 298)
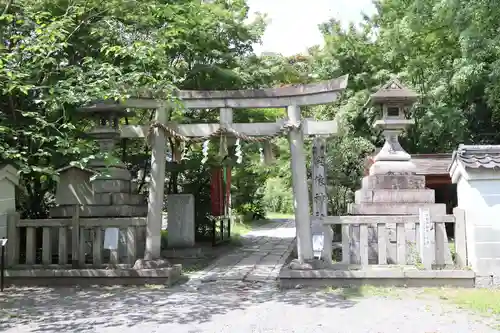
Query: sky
point(293, 24)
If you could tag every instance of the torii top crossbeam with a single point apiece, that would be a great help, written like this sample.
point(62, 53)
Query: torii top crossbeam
point(302, 94)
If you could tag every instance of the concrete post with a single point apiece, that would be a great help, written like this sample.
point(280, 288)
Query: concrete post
point(300, 189)
point(156, 188)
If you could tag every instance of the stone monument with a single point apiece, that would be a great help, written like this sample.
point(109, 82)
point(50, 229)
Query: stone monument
point(181, 220)
point(105, 188)
point(392, 186)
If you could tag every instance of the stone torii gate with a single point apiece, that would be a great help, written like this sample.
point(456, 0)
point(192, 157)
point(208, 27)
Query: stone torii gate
point(291, 98)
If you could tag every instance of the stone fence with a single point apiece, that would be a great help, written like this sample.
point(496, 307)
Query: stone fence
point(74, 242)
point(397, 239)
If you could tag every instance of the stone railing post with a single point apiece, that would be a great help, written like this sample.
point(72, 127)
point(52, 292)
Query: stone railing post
point(460, 238)
point(427, 238)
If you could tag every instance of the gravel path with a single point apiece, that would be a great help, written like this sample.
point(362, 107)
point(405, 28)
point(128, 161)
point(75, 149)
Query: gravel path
point(219, 307)
point(229, 303)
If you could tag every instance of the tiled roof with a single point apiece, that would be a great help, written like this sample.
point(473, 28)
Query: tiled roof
point(432, 164)
point(8, 172)
point(394, 90)
point(478, 156)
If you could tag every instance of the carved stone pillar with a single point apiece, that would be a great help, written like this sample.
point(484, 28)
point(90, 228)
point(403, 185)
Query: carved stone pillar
point(319, 197)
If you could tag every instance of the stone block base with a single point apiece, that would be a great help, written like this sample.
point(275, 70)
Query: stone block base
point(370, 208)
point(394, 196)
point(376, 276)
point(491, 281)
point(100, 211)
point(111, 186)
point(393, 182)
point(397, 167)
point(90, 277)
point(108, 199)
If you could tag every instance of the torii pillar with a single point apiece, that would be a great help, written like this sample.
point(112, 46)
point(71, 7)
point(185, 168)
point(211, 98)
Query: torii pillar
point(300, 188)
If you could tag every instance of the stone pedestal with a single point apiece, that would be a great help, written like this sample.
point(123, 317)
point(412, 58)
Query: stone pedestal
point(181, 225)
point(107, 196)
point(392, 195)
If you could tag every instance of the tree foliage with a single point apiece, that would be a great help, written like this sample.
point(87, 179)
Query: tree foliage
point(58, 55)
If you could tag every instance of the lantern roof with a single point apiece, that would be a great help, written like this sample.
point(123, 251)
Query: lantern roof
point(394, 92)
point(99, 108)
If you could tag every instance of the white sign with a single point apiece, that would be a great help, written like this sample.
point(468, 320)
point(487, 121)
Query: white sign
point(111, 236)
point(318, 243)
point(3, 242)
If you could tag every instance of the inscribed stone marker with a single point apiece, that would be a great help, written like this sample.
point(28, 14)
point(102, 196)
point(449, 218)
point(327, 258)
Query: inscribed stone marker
point(426, 238)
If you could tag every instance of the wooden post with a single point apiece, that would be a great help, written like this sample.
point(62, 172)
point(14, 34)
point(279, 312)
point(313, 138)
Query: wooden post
point(401, 244)
point(131, 245)
point(46, 246)
point(30, 245)
point(75, 237)
point(300, 188)
point(81, 247)
point(156, 188)
point(441, 242)
point(363, 244)
point(346, 244)
point(97, 247)
point(328, 244)
point(63, 246)
point(13, 239)
point(382, 243)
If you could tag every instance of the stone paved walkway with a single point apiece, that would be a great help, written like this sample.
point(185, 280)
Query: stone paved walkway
point(264, 252)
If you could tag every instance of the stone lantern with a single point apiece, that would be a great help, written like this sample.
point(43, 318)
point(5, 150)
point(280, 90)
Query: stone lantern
point(394, 100)
point(104, 188)
point(393, 187)
point(106, 132)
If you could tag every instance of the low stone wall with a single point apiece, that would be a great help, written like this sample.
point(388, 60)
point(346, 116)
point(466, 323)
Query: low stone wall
point(386, 277)
point(90, 277)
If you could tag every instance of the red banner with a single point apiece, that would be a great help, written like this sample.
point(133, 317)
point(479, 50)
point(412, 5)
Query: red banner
point(228, 189)
point(220, 190)
point(216, 192)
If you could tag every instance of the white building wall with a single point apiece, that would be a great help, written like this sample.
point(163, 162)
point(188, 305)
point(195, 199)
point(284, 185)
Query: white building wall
point(479, 195)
